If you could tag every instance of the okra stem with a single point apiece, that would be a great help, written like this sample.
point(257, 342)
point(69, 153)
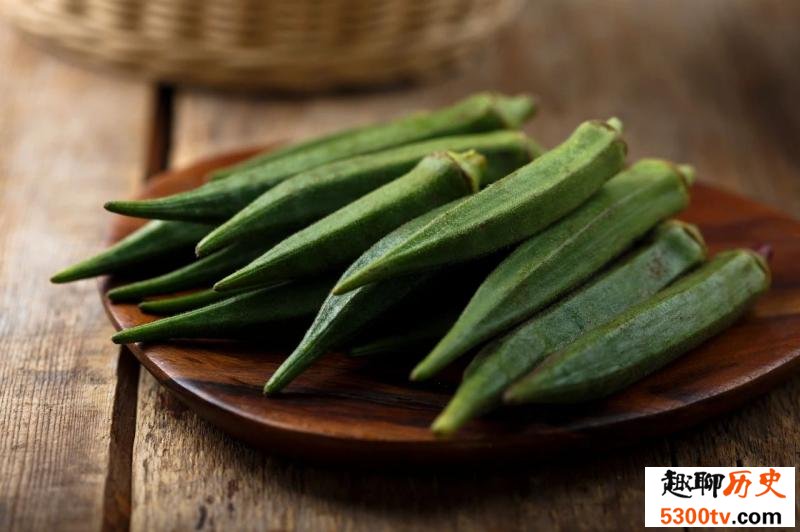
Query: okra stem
point(479, 112)
point(510, 210)
point(307, 197)
point(218, 200)
point(343, 235)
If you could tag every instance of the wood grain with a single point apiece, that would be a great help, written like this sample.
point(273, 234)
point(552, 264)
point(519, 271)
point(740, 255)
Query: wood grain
point(68, 140)
point(710, 82)
point(355, 410)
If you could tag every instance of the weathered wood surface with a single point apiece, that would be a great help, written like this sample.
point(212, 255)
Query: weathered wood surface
point(68, 139)
point(712, 82)
point(708, 82)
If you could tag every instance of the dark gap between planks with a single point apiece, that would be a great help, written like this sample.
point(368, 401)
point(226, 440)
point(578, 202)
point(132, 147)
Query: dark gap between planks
point(160, 130)
point(118, 489)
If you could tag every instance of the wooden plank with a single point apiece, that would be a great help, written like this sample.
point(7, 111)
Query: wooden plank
point(189, 474)
point(709, 82)
point(70, 139)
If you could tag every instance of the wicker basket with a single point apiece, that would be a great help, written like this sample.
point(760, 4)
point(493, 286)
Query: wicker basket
point(282, 44)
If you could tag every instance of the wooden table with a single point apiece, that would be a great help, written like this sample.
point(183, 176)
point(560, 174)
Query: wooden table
point(89, 441)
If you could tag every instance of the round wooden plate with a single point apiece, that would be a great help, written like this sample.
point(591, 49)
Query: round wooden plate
point(367, 410)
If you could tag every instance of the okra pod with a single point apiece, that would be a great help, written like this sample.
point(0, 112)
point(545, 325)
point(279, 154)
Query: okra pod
point(508, 211)
point(420, 333)
point(564, 255)
point(309, 196)
point(345, 234)
point(341, 316)
point(673, 250)
point(218, 200)
point(166, 306)
point(200, 272)
point(152, 241)
point(238, 315)
point(477, 113)
point(155, 240)
point(649, 335)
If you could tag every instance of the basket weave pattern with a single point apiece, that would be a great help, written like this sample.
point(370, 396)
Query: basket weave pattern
point(284, 44)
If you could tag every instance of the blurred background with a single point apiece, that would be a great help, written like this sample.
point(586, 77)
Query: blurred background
point(677, 72)
point(291, 45)
point(97, 95)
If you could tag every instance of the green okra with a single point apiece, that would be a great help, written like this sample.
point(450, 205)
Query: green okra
point(508, 211)
point(343, 235)
point(477, 113)
point(200, 272)
point(155, 240)
point(341, 316)
point(674, 249)
point(564, 255)
point(218, 200)
point(175, 304)
point(239, 315)
point(414, 336)
point(649, 335)
point(309, 196)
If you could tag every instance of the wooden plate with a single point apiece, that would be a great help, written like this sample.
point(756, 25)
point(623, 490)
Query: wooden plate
point(361, 410)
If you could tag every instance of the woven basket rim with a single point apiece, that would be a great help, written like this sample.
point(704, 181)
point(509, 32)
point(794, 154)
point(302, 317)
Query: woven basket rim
point(173, 41)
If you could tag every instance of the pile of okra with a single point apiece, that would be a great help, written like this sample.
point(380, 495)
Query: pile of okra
point(446, 234)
